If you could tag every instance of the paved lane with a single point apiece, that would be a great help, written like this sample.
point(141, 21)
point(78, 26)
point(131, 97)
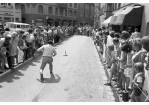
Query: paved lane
point(77, 77)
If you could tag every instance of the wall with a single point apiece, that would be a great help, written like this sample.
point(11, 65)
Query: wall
point(145, 20)
point(10, 13)
point(33, 11)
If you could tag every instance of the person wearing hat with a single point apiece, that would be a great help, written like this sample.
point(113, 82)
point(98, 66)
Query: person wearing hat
point(22, 48)
point(13, 49)
point(7, 45)
point(48, 53)
point(7, 31)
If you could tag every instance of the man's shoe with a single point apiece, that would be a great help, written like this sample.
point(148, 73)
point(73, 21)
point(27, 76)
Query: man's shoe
point(41, 77)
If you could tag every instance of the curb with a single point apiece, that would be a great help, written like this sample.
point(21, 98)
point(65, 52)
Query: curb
point(30, 59)
point(107, 73)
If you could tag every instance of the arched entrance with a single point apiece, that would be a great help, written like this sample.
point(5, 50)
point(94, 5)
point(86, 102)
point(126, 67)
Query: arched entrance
point(70, 22)
point(57, 22)
point(74, 22)
point(50, 22)
point(39, 22)
point(81, 24)
point(64, 22)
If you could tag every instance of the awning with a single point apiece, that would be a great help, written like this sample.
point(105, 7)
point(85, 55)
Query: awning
point(107, 21)
point(130, 16)
point(114, 17)
point(39, 20)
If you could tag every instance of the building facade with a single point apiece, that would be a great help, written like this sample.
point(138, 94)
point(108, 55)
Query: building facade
point(7, 13)
point(110, 9)
point(86, 13)
point(97, 15)
point(57, 13)
point(49, 13)
point(124, 15)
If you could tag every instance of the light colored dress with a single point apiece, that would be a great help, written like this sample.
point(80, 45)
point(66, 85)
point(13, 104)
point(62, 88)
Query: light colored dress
point(128, 70)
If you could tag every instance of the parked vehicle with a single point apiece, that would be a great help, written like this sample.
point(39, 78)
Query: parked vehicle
point(14, 25)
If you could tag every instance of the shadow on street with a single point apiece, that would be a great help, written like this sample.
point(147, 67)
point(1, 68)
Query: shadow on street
point(16, 74)
point(52, 79)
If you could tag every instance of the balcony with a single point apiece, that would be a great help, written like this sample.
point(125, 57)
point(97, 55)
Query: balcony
point(63, 5)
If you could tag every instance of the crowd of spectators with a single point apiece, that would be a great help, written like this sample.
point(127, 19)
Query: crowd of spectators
point(127, 56)
point(17, 46)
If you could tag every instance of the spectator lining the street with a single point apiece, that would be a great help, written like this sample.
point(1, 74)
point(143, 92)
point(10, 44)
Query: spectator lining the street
point(114, 55)
point(137, 82)
point(109, 43)
point(135, 35)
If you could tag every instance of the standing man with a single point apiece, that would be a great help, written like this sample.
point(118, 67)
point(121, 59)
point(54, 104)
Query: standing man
point(135, 35)
point(48, 53)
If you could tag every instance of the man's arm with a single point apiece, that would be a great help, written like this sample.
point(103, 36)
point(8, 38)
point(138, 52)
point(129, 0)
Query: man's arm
point(39, 50)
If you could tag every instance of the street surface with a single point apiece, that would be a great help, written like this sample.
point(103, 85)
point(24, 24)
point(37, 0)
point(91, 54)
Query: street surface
point(77, 77)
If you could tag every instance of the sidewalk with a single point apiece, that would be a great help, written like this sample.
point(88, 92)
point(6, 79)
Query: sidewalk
point(30, 59)
point(107, 72)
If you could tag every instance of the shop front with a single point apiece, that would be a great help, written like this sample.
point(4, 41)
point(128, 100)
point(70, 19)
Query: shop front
point(57, 22)
point(50, 22)
point(39, 22)
point(130, 17)
point(74, 22)
point(64, 22)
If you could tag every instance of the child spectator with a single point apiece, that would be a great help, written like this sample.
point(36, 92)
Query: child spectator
point(137, 82)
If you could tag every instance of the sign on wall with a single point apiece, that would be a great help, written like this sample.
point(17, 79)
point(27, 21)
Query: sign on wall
point(6, 14)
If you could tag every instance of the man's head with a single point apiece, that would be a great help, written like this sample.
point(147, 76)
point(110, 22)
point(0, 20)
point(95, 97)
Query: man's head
point(125, 35)
point(112, 34)
point(115, 41)
point(30, 31)
point(50, 42)
point(136, 29)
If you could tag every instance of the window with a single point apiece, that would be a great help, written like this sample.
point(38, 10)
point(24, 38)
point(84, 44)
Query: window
point(40, 9)
point(119, 5)
point(9, 4)
point(18, 26)
point(50, 10)
point(115, 5)
point(0, 18)
point(75, 5)
point(70, 4)
point(56, 11)
point(12, 26)
point(2, 3)
point(109, 7)
point(7, 19)
point(81, 14)
point(61, 12)
point(65, 12)
point(23, 8)
point(17, 19)
point(27, 26)
point(70, 12)
point(86, 15)
point(75, 13)
point(23, 26)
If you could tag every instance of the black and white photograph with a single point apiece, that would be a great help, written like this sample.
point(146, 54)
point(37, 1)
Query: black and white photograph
point(74, 52)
